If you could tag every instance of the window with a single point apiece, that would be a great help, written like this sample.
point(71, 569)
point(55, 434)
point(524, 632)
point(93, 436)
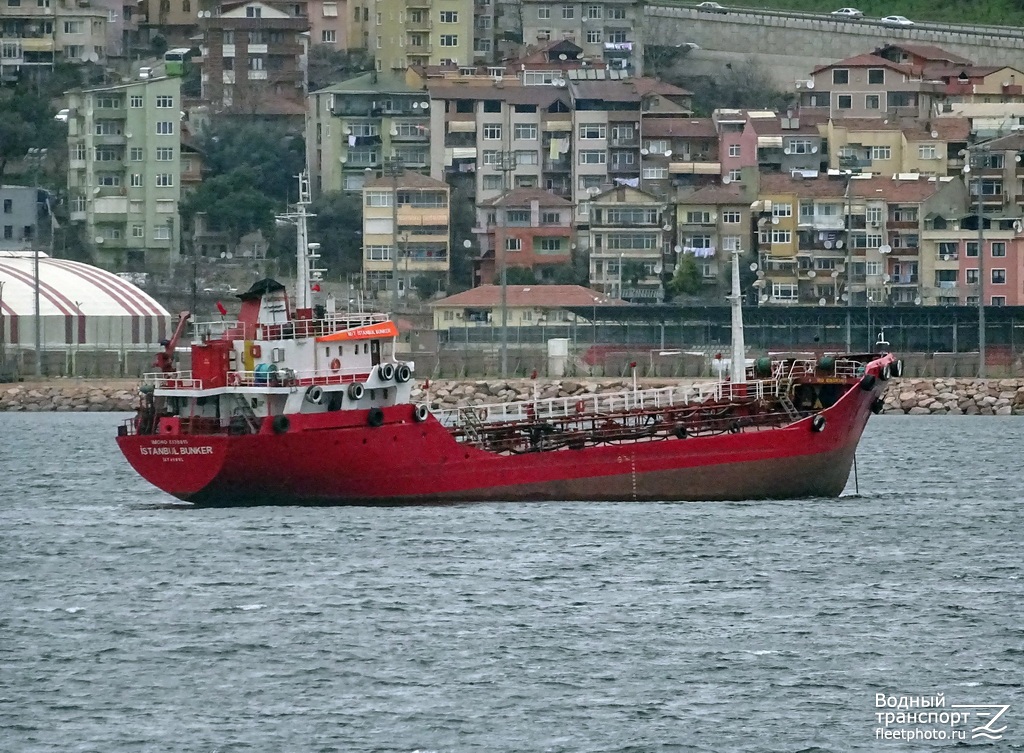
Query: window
point(594, 11)
point(527, 157)
point(138, 231)
point(136, 180)
point(108, 154)
point(731, 218)
point(8, 206)
point(525, 132)
point(999, 300)
point(871, 102)
point(137, 154)
point(165, 101)
point(551, 245)
point(876, 75)
point(449, 40)
point(72, 27)
point(482, 45)
point(492, 131)
point(109, 180)
point(845, 102)
point(998, 276)
point(655, 173)
point(972, 276)
point(164, 180)
point(513, 244)
point(517, 216)
point(735, 176)
point(328, 36)
point(78, 152)
point(330, 10)
point(616, 14)
point(632, 241)
point(781, 237)
point(616, 37)
point(378, 198)
point(698, 218)
point(550, 218)
point(449, 16)
point(592, 131)
point(782, 210)
point(109, 128)
point(784, 291)
point(730, 243)
point(593, 157)
point(136, 100)
point(881, 152)
point(165, 154)
point(799, 146)
point(593, 36)
point(543, 12)
point(492, 182)
point(873, 268)
point(734, 150)
point(165, 128)
point(568, 12)
point(840, 76)
point(873, 216)
point(590, 181)
point(927, 151)
point(948, 250)
point(999, 248)
point(253, 12)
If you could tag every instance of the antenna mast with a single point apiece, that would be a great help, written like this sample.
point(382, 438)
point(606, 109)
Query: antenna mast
point(306, 271)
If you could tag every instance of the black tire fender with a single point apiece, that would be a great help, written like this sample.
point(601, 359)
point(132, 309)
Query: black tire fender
point(355, 390)
point(878, 406)
point(281, 424)
point(818, 423)
point(375, 417)
point(868, 382)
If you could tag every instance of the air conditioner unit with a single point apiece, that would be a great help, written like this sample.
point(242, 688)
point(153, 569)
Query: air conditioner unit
point(874, 224)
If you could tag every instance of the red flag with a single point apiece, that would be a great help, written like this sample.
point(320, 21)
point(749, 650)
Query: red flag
point(220, 307)
point(316, 287)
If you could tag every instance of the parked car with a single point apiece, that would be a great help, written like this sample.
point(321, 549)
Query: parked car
point(711, 8)
point(848, 13)
point(897, 21)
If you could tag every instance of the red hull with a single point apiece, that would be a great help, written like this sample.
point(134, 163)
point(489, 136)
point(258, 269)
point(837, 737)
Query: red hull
point(335, 458)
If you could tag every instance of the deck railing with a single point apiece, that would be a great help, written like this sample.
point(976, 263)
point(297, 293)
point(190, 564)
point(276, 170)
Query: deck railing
point(221, 329)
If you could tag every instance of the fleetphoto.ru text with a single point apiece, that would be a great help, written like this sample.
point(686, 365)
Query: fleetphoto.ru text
point(917, 717)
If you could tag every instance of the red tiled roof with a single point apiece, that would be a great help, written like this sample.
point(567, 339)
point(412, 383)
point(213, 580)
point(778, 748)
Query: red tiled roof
point(773, 126)
point(894, 190)
point(408, 179)
point(926, 51)
point(730, 194)
point(867, 61)
point(1015, 141)
point(702, 128)
point(523, 197)
point(824, 187)
point(948, 129)
point(524, 296)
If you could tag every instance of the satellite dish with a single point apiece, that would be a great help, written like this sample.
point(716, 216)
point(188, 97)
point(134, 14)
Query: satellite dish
point(827, 244)
point(92, 57)
point(845, 296)
point(1018, 226)
point(645, 152)
point(668, 153)
point(96, 190)
point(814, 150)
point(967, 168)
point(822, 301)
point(917, 301)
point(128, 134)
point(415, 105)
point(593, 190)
point(760, 275)
point(935, 134)
point(424, 105)
point(753, 266)
point(677, 248)
point(884, 248)
point(786, 151)
point(811, 273)
point(886, 278)
point(775, 220)
point(726, 180)
point(839, 244)
point(835, 274)
point(394, 131)
point(763, 299)
point(810, 83)
point(99, 239)
point(563, 56)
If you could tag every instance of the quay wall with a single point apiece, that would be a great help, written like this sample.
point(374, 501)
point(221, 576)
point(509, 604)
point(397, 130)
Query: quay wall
point(944, 396)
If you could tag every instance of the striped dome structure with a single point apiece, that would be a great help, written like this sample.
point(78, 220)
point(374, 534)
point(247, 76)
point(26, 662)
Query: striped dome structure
point(80, 305)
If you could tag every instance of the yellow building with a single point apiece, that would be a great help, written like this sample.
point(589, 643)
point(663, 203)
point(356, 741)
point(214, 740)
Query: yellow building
point(887, 148)
point(525, 306)
point(421, 214)
point(420, 32)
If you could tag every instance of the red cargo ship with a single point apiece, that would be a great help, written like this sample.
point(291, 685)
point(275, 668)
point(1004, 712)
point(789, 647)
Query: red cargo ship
point(294, 403)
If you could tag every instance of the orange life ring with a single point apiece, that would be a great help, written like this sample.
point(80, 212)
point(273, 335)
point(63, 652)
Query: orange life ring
point(336, 364)
point(580, 406)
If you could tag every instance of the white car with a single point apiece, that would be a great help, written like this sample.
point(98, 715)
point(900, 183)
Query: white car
point(711, 8)
point(897, 21)
point(848, 13)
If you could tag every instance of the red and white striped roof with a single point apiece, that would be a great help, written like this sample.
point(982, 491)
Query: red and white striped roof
point(69, 288)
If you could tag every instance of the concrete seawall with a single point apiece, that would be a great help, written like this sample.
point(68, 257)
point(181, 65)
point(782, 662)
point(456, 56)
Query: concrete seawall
point(903, 396)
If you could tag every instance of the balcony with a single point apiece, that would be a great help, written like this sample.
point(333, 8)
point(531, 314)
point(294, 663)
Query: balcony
point(425, 25)
point(418, 3)
point(631, 168)
point(555, 123)
point(894, 224)
point(423, 50)
point(419, 133)
point(695, 168)
point(904, 280)
point(557, 166)
point(625, 142)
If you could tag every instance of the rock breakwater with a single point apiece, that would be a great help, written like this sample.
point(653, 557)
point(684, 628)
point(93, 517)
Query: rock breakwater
point(992, 397)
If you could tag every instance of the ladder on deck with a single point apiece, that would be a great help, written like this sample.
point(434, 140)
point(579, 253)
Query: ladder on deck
point(243, 409)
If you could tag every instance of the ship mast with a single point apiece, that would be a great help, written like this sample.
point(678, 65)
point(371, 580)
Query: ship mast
point(738, 370)
point(306, 271)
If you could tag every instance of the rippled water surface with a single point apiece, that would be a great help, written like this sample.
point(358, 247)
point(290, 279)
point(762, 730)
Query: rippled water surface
point(131, 624)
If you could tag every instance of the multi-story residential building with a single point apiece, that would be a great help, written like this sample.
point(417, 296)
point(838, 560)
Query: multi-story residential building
point(124, 170)
point(525, 306)
point(352, 127)
point(35, 35)
point(629, 240)
point(679, 153)
point(1002, 174)
point(608, 30)
point(877, 146)
point(982, 84)
point(173, 20)
point(868, 86)
point(782, 144)
point(329, 24)
point(536, 232)
point(253, 58)
point(711, 223)
point(401, 33)
point(421, 236)
point(19, 217)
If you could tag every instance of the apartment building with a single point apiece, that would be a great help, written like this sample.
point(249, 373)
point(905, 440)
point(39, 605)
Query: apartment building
point(536, 233)
point(875, 145)
point(329, 24)
point(400, 33)
point(679, 153)
point(175, 21)
point(253, 58)
point(607, 30)
point(420, 240)
point(124, 166)
point(630, 233)
point(868, 86)
point(525, 306)
point(19, 217)
point(711, 223)
point(36, 34)
point(1001, 173)
point(352, 127)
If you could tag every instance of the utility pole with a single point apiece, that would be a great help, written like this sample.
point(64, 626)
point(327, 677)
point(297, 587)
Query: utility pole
point(978, 160)
point(394, 167)
point(36, 157)
point(506, 164)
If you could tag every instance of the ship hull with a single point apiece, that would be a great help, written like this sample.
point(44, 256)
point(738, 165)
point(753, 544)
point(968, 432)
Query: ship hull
point(337, 458)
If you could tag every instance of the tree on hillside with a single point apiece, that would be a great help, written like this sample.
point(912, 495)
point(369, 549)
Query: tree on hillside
point(338, 228)
point(517, 276)
point(234, 203)
point(687, 278)
point(272, 152)
point(745, 85)
point(26, 122)
point(462, 218)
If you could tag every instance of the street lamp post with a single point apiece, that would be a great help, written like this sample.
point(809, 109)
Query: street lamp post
point(35, 157)
point(393, 167)
point(506, 164)
point(977, 159)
